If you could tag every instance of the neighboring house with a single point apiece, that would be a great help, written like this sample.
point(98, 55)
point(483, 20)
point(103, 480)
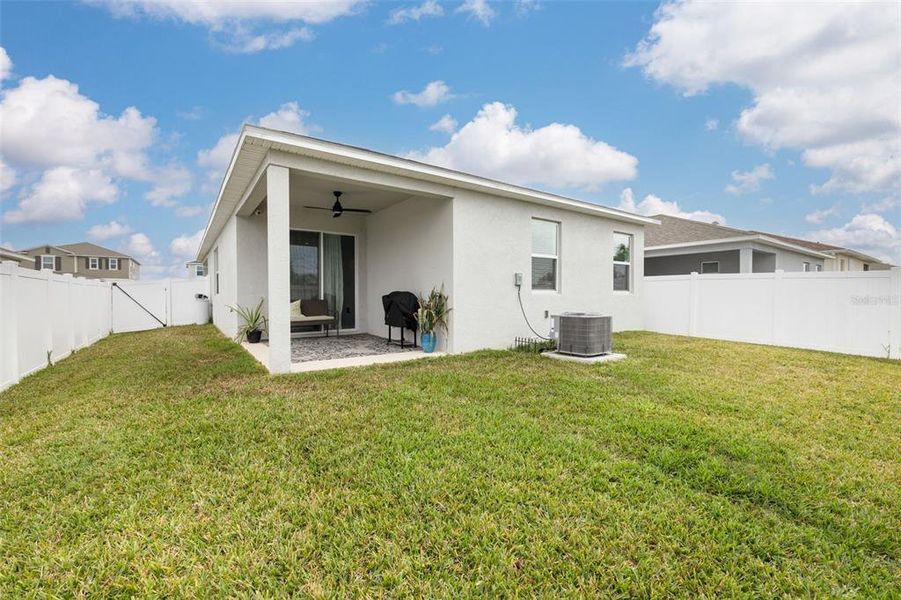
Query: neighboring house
point(85, 260)
point(196, 269)
point(274, 235)
point(11, 255)
point(680, 246)
point(840, 259)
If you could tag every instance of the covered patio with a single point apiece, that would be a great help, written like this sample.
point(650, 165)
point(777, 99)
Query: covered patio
point(291, 242)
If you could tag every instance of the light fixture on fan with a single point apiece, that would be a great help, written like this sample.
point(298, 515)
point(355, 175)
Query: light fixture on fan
point(337, 209)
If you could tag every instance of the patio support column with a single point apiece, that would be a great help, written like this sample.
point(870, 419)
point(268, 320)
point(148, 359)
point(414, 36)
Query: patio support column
point(746, 260)
point(279, 270)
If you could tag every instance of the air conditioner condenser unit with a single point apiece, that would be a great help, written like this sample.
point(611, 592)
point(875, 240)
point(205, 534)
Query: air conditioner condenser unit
point(583, 334)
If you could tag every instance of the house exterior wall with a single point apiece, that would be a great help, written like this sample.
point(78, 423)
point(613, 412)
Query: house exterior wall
point(223, 262)
point(493, 240)
point(766, 258)
point(409, 247)
point(682, 264)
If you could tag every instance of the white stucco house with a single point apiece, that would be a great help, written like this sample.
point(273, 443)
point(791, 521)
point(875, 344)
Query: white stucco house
point(274, 235)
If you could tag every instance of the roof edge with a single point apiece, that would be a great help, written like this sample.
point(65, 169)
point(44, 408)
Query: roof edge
point(743, 238)
point(376, 160)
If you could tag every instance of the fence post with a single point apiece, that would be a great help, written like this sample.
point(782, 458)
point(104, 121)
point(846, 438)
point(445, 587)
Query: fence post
point(48, 323)
point(70, 314)
point(777, 305)
point(693, 304)
point(894, 303)
point(9, 341)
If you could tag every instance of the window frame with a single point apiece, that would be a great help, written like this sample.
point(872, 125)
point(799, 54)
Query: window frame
point(710, 262)
point(805, 266)
point(93, 263)
point(817, 268)
point(216, 270)
point(628, 263)
point(199, 270)
point(52, 261)
point(110, 266)
point(555, 257)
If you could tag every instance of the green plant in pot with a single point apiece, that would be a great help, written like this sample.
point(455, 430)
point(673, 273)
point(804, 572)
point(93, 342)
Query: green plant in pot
point(254, 323)
point(432, 316)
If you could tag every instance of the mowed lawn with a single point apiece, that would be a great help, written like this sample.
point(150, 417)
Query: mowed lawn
point(166, 463)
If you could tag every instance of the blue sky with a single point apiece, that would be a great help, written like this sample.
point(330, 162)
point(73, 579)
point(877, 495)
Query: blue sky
point(649, 117)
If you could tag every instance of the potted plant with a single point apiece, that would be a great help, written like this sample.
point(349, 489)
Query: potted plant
point(432, 316)
point(254, 323)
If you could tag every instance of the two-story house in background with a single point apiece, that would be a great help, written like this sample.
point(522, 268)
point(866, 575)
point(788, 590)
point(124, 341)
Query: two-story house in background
point(85, 259)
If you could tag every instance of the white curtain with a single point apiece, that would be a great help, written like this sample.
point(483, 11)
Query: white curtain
point(333, 274)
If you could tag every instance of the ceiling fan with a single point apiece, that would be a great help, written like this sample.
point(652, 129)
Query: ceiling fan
point(338, 210)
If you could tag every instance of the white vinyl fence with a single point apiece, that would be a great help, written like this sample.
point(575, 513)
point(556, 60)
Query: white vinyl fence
point(45, 316)
point(848, 312)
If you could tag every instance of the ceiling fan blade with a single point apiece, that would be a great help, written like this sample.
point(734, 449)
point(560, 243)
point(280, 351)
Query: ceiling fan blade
point(318, 208)
point(359, 210)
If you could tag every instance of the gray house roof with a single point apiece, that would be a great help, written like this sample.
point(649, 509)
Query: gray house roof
point(676, 230)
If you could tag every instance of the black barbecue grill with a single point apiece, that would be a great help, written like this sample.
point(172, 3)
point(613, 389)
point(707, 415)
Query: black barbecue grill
point(400, 311)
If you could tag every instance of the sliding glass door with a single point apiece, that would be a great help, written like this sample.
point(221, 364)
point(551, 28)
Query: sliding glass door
point(323, 265)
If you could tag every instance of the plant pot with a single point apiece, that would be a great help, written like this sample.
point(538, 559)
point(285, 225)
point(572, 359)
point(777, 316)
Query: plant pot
point(253, 337)
point(428, 340)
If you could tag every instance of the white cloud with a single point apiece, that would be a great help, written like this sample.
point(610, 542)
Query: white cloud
point(866, 232)
point(824, 76)
point(744, 182)
point(195, 114)
point(8, 176)
point(62, 194)
point(189, 211)
point(241, 26)
point(818, 216)
point(429, 8)
point(185, 246)
point(478, 10)
point(289, 117)
point(524, 7)
point(446, 124)
point(113, 229)
point(6, 64)
point(434, 93)
point(711, 124)
point(655, 205)
point(557, 155)
point(884, 205)
point(140, 246)
point(47, 122)
point(170, 182)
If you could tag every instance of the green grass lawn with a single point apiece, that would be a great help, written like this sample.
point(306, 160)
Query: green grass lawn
point(167, 463)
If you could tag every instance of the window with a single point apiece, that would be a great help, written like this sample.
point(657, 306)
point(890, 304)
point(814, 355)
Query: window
point(199, 270)
point(866, 267)
point(114, 264)
point(48, 261)
point(622, 262)
point(806, 267)
point(216, 269)
point(710, 266)
point(818, 268)
point(93, 263)
point(545, 248)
